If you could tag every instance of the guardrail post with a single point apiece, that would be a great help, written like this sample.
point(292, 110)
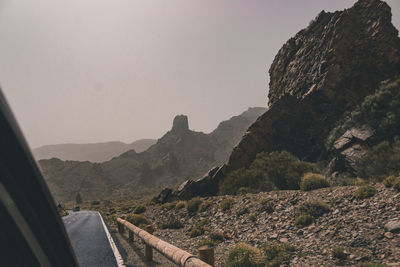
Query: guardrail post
point(130, 237)
point(119, 227)
point(206, 254)
point(148, 253)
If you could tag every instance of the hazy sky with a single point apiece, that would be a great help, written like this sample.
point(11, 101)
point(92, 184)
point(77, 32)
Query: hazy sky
point(102, 70)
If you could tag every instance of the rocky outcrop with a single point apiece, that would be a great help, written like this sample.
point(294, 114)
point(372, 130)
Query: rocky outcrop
point(335, 47)
point(349, 148)
point(326, 69)
point(355, 134)
point(180, 124)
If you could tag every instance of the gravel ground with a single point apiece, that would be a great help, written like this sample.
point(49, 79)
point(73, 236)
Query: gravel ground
point(356, 225)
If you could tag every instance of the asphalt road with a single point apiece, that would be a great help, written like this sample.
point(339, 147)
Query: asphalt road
point(89, 239)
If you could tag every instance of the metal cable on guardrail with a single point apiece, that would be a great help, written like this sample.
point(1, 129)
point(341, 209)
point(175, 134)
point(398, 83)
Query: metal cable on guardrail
point(174, 254)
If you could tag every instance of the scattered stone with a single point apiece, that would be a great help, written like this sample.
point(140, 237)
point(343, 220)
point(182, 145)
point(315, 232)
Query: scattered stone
point(283, 240)
point(389, 235)
point(358, 230)
point(393, 226)
point(273, 236)
point(335, 212)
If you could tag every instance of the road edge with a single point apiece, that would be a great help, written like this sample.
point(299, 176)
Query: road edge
point(117, 255)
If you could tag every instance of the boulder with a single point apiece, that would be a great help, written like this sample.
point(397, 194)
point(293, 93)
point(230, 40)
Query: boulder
point(353, 135)
point(393, 226)
point(349, 148)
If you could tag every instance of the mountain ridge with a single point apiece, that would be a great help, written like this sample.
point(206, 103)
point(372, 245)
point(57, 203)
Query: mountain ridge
point(178, 154)
point(93, 152)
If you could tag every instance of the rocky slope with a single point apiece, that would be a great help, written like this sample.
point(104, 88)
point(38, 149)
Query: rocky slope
point(97, 152)
point(179, 154)
point(356, 225)
point(322, 72)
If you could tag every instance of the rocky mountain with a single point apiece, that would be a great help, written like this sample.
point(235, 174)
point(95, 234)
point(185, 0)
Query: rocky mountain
point(325, 70)
point(179, 154)
point(97, 152)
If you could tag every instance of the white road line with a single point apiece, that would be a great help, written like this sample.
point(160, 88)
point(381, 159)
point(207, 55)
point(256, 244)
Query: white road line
point(118, 258)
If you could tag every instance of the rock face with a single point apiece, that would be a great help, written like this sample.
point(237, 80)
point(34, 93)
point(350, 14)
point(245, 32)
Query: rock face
point(179, 154)
point(336, 47)
point(326, 69)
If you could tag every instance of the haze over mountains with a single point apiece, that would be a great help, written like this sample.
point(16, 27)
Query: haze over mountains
point(96, 152)
point(179, 154)
point(313, 180)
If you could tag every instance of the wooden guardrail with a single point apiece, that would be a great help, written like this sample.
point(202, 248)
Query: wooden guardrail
point(174, 254)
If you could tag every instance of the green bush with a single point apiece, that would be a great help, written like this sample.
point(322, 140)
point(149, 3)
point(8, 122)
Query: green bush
point(168, 206)
point(382, 160)
point(138, 220)
point(203, 222)
point(139, 209)
point(276, 254)
point(206, 242)
point(243, 178)
point(312, 181)
point(271, 255)
point(226, 204)
point(196, 231)
point(266, 205)
point(275, 170)
point(379, 110)
point(252, 217)
point(180, 205)
point(193, 205)
point(217, 236)
point(396, 185)
point(313, 208)
point(205, 206)
point(150, 202)
point(365, 191)
point(338, 253)
point(61, 210)
point(390, 180)
point(243, 255)
point(304, 219)
point(95, 202)
point(170, 223)
point(242, 211)
point(243, 191)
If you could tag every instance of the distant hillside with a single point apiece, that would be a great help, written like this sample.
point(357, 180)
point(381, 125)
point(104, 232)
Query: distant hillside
point(179, 154)
point(97, 152)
